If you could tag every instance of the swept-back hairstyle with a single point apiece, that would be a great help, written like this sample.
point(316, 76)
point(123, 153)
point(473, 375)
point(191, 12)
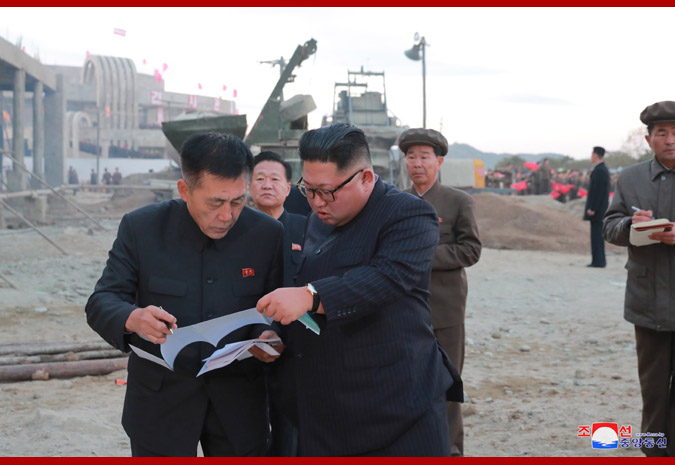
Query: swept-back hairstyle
point(268, 155)
point(217, 154)
point(342, 144)
point(599, 151)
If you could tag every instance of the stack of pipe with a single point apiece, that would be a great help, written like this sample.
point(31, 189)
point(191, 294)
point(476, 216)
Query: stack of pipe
point(28, 361)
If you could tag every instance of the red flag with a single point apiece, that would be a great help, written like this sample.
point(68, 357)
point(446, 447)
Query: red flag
point(582, 192)
point(519, 186)
point(120, 32)
point(555, 194)
point(531, 165)
point(164, 67)
point(144, 61)
point(199, 85)
point(158, 76)
point(234, 93)
point(224, 87)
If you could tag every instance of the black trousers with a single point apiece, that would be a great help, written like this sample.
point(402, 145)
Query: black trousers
point(429, 437)
point(214, 441)
point(656, 369)
point(597, 244)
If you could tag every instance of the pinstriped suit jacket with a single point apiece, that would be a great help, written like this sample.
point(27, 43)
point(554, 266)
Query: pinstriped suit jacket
point(376, 368)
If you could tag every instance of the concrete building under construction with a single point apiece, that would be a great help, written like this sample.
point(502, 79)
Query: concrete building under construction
point(105, 107)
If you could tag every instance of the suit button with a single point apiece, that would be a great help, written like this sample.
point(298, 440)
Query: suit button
point(317, 251)
point(209, 280)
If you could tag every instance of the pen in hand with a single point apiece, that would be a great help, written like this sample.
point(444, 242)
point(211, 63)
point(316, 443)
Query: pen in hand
point(637, 209)
point(168, 325)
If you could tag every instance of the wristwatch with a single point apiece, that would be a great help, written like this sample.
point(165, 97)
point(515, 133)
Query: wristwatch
point(315, 296)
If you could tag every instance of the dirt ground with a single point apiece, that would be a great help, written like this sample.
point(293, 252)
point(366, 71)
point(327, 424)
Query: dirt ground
point(547, 347)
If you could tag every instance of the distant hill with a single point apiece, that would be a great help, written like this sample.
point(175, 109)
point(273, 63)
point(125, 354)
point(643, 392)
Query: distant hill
point(458, 150)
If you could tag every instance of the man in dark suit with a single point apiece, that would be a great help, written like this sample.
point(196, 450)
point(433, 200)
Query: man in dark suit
point(596, 206)
point(270, 186)
point(182, 262)
point(375, 381)
point(459, 246)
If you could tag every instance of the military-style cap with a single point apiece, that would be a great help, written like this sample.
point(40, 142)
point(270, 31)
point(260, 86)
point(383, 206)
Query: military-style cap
point(658, 112)
point(419, 136)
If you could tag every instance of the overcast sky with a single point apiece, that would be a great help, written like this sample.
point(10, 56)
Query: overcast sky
point(527, 80)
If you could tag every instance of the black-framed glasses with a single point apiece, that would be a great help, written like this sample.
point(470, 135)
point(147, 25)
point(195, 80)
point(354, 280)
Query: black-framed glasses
point(324, 194)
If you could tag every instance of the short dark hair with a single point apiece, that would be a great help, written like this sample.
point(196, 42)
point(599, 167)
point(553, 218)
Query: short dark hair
point(268, 155)
point(599, 151)
point(342, 144)
point(221, 155)
point(650, 127)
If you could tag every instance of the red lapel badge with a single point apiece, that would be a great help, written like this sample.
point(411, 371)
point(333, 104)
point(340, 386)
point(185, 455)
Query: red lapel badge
point(245, 272)
point(295, 246)
point(440, 220)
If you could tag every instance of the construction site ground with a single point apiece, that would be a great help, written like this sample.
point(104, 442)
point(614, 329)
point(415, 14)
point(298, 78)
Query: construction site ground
point(547, 348)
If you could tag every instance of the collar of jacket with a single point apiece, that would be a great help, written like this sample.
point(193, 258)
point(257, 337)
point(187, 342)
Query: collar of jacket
point(656, 169)
point(433, 189)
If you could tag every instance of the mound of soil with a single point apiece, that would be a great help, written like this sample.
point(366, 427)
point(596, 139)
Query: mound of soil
point(533, 223)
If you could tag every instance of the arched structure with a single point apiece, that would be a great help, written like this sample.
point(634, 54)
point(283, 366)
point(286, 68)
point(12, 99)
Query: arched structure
point(116, 90)
point(75, 119)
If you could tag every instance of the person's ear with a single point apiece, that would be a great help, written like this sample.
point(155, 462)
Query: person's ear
point(183, 190)
point(440, 161)
point(368, 176)
point(649, 142)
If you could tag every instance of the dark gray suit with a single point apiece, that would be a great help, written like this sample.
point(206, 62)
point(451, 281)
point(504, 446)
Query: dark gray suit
point(161, 257)
point(375, 381)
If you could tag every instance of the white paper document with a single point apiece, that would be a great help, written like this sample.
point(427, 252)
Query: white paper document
point(237, 351)
point(211, 331)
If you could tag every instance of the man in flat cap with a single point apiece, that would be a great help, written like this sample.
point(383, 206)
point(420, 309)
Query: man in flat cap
point(596, 206)
point(458, 247)
point(649, 188)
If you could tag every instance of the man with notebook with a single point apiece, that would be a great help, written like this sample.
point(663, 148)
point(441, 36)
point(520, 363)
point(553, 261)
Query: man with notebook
point(643, 192)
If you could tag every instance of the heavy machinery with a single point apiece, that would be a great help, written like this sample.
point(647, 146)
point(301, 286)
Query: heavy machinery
point(362, 101)
point(279, 126)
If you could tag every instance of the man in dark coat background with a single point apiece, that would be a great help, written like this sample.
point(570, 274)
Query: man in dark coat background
point(596, 206)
